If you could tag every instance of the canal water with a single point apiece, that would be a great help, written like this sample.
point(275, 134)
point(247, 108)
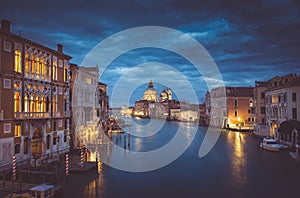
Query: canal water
point(235, 167)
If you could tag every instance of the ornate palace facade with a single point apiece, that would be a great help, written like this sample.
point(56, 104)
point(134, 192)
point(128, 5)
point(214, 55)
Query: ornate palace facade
point(34, 100)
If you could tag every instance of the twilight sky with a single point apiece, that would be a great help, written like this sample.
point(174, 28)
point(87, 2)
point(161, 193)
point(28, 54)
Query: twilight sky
point(253, 40)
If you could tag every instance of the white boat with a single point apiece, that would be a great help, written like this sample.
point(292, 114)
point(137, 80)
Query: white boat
point(270, 145)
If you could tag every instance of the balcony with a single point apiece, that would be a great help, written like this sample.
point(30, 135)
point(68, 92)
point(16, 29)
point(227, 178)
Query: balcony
point(32, 115)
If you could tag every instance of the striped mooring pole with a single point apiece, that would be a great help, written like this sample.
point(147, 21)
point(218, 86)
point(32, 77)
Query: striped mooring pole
point(14, 167)
point(67, 164)
point(81, 158)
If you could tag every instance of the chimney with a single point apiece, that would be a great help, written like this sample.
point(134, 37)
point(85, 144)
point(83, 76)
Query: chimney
point(5, 25)
point(60, 48)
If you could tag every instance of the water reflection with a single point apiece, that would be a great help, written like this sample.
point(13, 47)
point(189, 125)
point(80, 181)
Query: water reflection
point(95, 187)
point(238, 157)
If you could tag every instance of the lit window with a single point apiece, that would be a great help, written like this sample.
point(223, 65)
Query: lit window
point(43, 106)
point(17, 61)
point(27, 64)
point(37, 65)
point(65, 74)
point(32, 64)
point(43, 66)
point(54, 72)
point(38, 104)
point(17, 103)
point(17, 130)
point(32, 104)
point(54, 104)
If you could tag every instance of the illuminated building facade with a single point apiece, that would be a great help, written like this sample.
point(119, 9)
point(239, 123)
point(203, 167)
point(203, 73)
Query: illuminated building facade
point(282, 101)
point(231, 111)
point(34, 100)
point(84, 105)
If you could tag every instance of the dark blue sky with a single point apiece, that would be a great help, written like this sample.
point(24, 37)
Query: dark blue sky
point(249, 40)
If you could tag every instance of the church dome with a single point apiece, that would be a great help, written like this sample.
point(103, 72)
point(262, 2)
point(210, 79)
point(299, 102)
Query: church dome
point(150, 93)
point(163, 96)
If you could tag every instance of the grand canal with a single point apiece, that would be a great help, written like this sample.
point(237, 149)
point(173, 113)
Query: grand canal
point(235, 167)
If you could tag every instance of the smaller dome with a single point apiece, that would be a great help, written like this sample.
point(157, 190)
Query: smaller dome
point(163, 96)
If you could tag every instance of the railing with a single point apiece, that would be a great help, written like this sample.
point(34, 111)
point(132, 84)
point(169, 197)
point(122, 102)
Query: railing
point(37, 76)
point(56, 114)
point(32, 114)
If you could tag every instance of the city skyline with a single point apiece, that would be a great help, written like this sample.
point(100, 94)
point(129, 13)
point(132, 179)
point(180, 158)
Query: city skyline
point(249, 42)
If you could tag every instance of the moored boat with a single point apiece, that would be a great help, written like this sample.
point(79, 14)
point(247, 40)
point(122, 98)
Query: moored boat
point(270, 145)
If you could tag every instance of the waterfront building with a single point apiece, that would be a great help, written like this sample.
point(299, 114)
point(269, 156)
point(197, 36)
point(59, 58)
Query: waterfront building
point(282, 101)
point(152, 106)
point(189, 116)
point(202, 115)
point(259, 109)
point(189, 112)
point(126, 111)
point(34, 100)
point(239, 107)
point(233, 111)
point(102, 105)
point(142, 107)
point(89, 105)
point(216, 104)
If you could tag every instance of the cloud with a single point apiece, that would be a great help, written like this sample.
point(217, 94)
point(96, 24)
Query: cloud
point(252, 40)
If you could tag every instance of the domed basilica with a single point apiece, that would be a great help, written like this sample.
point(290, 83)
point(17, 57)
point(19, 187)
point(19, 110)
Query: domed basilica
point(151, 105)
point(150, 93)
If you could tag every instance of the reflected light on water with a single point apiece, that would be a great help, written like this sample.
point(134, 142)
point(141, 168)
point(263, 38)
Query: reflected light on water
point(94, 188)
point(238, 158)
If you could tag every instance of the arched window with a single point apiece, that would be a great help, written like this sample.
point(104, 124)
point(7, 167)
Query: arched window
point(18, 61)
point(43, 107)
point(26, 103)
point(32, 104)
point(54, 72)
point(37, 65)
point(17, 148)
point(47, 104)
point(43, 68)
point(48, 139)
point(32, 64)
point(38, 104)
point(17, 102)
point(65, 74)
point(27, 69)
point(54, 109)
